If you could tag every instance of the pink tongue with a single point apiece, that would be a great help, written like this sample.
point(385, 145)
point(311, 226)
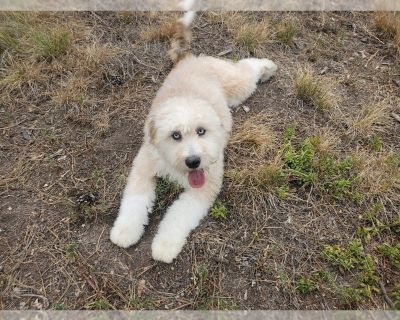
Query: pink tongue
point(196, 178)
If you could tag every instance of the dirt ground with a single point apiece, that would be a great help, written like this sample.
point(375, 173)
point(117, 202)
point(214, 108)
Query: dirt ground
point(310, 208)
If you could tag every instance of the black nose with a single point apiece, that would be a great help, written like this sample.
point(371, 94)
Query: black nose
point(193, 162)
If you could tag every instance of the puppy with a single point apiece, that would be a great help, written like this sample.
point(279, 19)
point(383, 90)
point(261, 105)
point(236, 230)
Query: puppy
point(185, 135)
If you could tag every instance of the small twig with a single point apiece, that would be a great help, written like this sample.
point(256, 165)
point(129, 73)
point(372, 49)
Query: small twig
point(395, 116)
point(385, 295)
point(372, 35)
point(225, 52)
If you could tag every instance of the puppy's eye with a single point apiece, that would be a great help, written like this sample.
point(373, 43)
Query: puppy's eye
point(176, 135)
point(201, 131)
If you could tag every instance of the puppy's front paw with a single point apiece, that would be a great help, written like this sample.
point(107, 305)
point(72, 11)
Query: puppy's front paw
point(125, 235)
point(165, 250)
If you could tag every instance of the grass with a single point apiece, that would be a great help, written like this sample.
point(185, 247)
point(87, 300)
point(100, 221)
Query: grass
point(71, 250)
point(305, 285)
point(101, 304)
point(392, 253)
point(352, 257)
point(287, 30)
point(375, 142)
point(371, 119)
point(307, 163)
point(332, 179)
point(396, 296)
point(166, 192)
point(250, 35)
point(51, 44)
point(59, 306)
point(254, 137)
point(144, 303)
point(164, 30)
point(218, 211)
point(389, 24)
point(312, 90)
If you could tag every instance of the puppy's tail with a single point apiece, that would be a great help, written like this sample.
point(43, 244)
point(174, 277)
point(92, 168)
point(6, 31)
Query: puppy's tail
point(180, 44)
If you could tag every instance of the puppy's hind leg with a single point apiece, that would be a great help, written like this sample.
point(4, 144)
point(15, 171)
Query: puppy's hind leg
point(136, 203)
point(262, 69)
point(240, 79)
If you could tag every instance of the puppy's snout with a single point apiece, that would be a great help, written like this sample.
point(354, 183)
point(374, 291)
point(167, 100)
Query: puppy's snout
point(193, 162)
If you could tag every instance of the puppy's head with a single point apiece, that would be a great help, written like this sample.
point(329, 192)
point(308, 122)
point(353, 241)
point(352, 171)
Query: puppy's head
point(189, 135)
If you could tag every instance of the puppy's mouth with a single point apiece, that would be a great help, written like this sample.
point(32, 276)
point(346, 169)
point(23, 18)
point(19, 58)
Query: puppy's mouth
point(196, 178)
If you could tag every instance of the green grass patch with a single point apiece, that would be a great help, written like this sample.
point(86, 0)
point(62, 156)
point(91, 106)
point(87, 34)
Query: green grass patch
point(59, 306)
point(392, 253)
point(286, 32)
point(352, 257)
point(311, 90)
point(145, 303)
point(324, 171)
point(375, 143)
point(71, 250)
point(305, 285)
point(52, 44)
point(101, 304)
point(218, 211)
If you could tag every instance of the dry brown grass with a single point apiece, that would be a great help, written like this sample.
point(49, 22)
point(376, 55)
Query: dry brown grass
point(312, 89)
point(254, 138)
point(163, 30)
point(389, 24)
point(247, 33)
point(380, 174)
point(22, 73)
point(371, 119)
point(325, 141)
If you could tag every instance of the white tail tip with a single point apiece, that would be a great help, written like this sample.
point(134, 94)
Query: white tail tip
point(186, 5)
point(187, 18)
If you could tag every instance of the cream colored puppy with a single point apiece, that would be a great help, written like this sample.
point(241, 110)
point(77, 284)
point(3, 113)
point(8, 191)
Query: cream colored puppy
point(185, 135)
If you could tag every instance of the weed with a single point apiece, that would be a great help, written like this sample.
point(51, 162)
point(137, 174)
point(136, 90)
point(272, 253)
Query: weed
point(305, 285)
point(218, 211)
point(8, 38)
point(345, 258)
point(265, 177)
point(353, 257)
point(391, 252)
point(254, 138)
point(71, 250)
point(300, 161)
point(373, 225)
point(349, 295)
